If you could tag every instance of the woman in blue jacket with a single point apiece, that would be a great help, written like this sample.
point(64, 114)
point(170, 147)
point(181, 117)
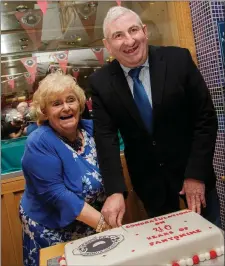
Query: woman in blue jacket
point(64, 191)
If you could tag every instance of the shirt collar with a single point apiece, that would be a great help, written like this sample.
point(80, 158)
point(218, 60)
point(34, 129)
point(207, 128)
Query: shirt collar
point(127, 69)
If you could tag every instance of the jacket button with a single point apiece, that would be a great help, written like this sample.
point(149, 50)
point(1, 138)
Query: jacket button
point(154, 143)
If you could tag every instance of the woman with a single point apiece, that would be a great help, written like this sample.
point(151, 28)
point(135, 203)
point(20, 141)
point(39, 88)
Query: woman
point(64, 191)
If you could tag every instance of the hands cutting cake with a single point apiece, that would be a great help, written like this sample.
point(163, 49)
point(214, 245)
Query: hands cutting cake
point(195, 194)
point(113, 209)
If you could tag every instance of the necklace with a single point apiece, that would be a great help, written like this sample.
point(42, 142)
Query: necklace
point(76, 144)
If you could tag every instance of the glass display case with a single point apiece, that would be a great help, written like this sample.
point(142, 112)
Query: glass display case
point(66, 35)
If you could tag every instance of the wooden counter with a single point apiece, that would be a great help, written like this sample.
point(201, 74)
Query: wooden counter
point(11, 232)
point(51, 252)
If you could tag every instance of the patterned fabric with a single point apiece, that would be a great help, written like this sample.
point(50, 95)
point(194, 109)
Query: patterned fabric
point(37, 236)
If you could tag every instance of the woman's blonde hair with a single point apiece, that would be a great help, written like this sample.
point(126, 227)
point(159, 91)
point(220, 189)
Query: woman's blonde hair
point(49, 88)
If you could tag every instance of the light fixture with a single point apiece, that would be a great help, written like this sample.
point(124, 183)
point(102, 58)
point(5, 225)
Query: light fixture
point(86, 10)
point(71, 43)
point(21, 8)
point(92, 4)
point(75, 38)
point(23, 40)
point(23, 46)
point(5, 4)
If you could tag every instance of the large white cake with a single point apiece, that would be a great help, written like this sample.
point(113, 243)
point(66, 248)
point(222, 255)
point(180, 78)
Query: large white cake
point(180, 238)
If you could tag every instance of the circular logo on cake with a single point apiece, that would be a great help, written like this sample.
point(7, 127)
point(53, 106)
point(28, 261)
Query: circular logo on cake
point(98, 245)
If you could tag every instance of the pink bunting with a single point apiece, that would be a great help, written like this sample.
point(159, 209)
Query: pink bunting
point(11, 82)
point(62, 58)
point(99, 54)
point(31, 21)
point(29, 78)
point(87, 23)
point(30, 64)
point(43, 6)
point(118, 3)
point(75, 72)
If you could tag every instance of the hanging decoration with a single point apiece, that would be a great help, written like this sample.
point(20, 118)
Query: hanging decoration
point(118, 3)
point(28, 78)
point(30, 64)
point(62, 58)
point(87, 15)
point(43, 5)
point(99, 54)
point(11, 82)
point(31, 21)
point(75, 72)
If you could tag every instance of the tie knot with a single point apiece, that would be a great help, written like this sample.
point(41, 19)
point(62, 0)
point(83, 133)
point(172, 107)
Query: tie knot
point(134, 73)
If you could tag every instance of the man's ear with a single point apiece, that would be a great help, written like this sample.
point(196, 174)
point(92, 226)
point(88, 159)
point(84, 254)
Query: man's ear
point(107, 45)
point(145, 30)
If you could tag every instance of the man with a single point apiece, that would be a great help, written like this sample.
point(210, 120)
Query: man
point(158, 100)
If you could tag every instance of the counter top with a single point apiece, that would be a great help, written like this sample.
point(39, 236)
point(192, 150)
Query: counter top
point(11, 175)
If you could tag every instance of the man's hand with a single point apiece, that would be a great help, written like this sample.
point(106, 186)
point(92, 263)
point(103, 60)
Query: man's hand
point(113, 210)
point(195, 194)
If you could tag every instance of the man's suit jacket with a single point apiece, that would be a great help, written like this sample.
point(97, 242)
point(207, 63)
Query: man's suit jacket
point(184, 127)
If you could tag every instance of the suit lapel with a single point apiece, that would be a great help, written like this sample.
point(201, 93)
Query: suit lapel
point(120, 85)
point(157, 68)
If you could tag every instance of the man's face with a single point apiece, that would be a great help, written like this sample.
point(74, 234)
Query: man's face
point(127, 40)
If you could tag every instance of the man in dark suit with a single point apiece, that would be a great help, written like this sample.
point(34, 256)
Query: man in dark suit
point(158, 100)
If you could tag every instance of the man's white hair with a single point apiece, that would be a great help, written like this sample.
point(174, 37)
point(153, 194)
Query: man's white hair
point(114, 13)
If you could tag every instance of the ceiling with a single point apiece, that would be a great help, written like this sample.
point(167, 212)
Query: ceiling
point(67, 25)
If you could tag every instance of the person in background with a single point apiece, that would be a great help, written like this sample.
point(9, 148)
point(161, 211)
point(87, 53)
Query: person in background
point(23, 108)
point(157, 98)
point(14, 128)
point(64, 191)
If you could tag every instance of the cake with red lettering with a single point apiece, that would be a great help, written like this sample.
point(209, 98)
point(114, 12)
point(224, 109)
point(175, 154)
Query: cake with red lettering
point(179, 239)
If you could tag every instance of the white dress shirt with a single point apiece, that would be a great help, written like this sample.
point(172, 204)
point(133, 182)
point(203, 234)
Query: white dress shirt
point(144, 78)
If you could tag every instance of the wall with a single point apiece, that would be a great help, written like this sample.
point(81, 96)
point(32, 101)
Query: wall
point(205, 15)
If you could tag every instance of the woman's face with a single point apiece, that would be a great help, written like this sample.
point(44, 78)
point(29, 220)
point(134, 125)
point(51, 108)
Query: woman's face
point(63, 113)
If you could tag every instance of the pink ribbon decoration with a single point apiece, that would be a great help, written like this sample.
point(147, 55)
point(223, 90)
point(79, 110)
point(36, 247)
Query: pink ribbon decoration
point(43, 6)
point(75, 72)
point(31, 21)
point(62, 58)
point(11, 82)
point(99, 54)
point(30, 64)
point(118, 3)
